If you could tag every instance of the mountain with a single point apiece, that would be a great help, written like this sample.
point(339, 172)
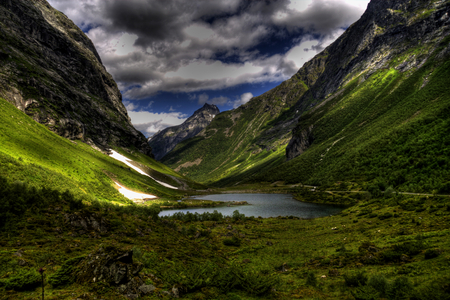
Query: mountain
point(165, 140)
point(51, 77)
point(350, 114)
point(50, 70)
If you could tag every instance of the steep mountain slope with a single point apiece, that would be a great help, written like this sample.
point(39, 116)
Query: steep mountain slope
point(393, 56)
point(165, 140)
point(51, 70)
point(32, 155)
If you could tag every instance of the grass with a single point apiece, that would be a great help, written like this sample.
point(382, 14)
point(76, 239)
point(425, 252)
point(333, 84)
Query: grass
point(350, 255)
point(31, 153)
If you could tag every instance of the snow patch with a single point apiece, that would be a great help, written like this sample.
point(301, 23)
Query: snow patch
point(127, 161)
point(133, 195)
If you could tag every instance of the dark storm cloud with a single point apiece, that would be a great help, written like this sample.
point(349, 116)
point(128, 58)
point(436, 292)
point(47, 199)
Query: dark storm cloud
point(162, 37)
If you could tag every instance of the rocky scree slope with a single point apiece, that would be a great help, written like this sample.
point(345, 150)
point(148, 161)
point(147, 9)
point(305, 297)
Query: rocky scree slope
point(165, 140)
point(50, 70)
point(252, 138)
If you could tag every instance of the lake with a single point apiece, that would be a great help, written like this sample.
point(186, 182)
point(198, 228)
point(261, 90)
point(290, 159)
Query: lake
point(264, 205)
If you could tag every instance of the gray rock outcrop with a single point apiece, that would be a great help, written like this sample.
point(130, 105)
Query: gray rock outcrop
point(388, 29)
point(50, 70)
point(165, 140)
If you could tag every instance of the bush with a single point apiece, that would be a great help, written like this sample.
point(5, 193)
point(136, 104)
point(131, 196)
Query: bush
point(64, 275)
point(401, 288)
point(311, 279)
point(355, 280)
point(385, 216)
point(432, 253)
point(234, 241)
point(379, 283)
point(25, 280)
point(366, 292)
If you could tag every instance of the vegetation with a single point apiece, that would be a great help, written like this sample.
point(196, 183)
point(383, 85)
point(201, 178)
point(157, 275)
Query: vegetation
point(210, 256)
point(32, 154)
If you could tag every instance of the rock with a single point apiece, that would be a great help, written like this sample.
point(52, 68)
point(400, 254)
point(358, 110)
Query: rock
point(299, 142)
point(87, 222)
point(114, 266)
point(175, 292)
point(165, 140)
point(388, 29)
point(53, 73)
point(22, 263)
point(146, 289)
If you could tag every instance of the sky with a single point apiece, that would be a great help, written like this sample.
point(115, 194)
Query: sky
point(170, 57)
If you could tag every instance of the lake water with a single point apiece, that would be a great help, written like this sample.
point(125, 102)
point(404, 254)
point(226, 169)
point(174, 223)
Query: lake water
point(264, 205)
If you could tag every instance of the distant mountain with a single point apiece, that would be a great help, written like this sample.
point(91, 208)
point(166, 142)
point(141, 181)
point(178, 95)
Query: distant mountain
point(165, 140)
point(354, 112)
point(50, 70)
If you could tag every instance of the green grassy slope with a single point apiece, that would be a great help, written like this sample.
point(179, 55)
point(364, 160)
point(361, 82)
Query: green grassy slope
point(391, 129)
point(249, 137)
point(32, 154)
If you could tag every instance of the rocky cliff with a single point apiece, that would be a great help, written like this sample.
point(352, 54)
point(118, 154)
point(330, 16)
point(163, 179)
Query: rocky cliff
point(398, 34)
point(50, 69)
point(165, 140)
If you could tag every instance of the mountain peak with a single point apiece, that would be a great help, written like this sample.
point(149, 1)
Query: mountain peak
point(165, 140)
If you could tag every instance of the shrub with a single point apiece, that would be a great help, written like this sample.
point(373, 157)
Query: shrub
point(234, 241)
point(25, 280)
point(432, 253)
point(311, 279)
point(356, 280)
point(64, 275)
point(401, 288)
point(366, 292)
point(385, 216)
point(379, 283)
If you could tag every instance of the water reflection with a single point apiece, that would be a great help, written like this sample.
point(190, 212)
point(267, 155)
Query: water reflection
point(264, 205)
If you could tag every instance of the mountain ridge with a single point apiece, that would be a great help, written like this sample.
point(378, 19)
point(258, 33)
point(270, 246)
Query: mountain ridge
point(164, 141)
point(268, 124)
point(51, 70)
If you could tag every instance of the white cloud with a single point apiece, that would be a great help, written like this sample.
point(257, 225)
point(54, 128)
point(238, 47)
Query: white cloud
point(150, 123)
point(242, 100)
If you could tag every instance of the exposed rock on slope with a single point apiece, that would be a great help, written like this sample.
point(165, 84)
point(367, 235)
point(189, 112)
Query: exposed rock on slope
point(391, 35)
point(165, 140)
point(51, 70)
point(388, 29)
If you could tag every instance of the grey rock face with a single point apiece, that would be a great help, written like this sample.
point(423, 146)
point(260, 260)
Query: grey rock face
point(115, 267)
point(50, 70)
point(299, 143)
point(165, 140)
point(388, 29)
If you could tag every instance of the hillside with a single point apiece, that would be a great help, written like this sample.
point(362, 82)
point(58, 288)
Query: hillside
point(164, 141)
point(33, 155)
point(50, 70)
point(359, 109)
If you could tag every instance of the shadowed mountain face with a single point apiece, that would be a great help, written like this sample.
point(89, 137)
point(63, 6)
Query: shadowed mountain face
point(50, 70)
point(165, 140)
point(386, 72)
